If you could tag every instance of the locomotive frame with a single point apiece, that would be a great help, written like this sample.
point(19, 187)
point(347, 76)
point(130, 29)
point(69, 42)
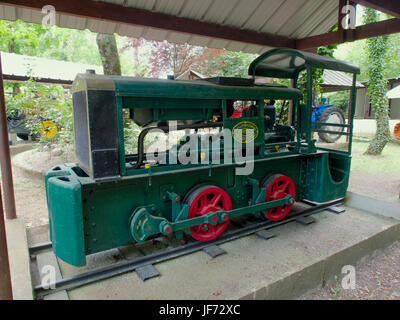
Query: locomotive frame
point(111, 199)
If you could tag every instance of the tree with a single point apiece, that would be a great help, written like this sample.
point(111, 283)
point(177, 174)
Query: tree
point(20, 37)
point(169, 57)
point(221, 62)
point(109, 54)
point(377, 50)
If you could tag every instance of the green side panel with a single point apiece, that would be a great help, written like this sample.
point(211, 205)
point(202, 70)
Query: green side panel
point(108, 206)
point(327, 176)
point(88, 217)
point(64, 202)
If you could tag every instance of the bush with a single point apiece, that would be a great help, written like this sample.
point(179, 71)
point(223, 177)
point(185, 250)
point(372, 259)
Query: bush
point(339, 99)
point(41, 104)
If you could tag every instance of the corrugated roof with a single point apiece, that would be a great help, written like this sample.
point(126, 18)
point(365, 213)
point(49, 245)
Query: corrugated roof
point(290, 18)
point(20, 66)
point(338, 79)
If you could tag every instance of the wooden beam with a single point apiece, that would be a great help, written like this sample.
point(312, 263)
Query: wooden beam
point(120, 14)
point(363, 32)
point(341, 33)
point(391, 7)
point(13, 78)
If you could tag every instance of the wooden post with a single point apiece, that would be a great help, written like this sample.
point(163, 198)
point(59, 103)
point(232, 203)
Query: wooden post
point(5, 158)
point(341, 32)
point(5, 278)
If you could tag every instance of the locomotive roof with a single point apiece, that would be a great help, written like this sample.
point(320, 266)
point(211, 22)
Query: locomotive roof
point(288, 63)
point(197, 89)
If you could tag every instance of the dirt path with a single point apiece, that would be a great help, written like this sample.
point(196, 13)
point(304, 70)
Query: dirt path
point(30, 197)
point(377, 278)
point(379, 185)
point(30, 194)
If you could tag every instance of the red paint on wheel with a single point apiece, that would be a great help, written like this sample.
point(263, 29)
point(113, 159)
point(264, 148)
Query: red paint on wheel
point(209, 199)
point(278, 187)
point(169, 230)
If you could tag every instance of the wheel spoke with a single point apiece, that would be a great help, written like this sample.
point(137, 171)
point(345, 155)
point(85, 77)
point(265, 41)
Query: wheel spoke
point(216, 199)
point(284, 186)
point(203, 202)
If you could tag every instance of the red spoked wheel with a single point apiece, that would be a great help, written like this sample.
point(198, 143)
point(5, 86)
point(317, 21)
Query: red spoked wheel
point(203, 200)
point(278, 187)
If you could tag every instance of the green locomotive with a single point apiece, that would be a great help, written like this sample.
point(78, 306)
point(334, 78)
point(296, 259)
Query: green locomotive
point(111, 198)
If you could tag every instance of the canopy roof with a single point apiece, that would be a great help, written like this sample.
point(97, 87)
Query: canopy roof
point(252, 26)
point(288, 63)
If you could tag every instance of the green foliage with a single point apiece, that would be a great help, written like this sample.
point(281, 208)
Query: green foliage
point(355, 51)
point(227, 64)
point(56, 43)
point(316, 74)
point(20, 37)
point(131, 132)
point(69, 45)
point(339, 99)
point(377, 49)
point(39, 103)
point(285, 113)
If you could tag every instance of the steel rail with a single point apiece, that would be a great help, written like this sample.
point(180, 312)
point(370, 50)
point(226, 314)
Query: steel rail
point(40, 247)
point(165, 255)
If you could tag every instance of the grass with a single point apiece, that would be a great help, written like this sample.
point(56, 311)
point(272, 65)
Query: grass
point(388, 161)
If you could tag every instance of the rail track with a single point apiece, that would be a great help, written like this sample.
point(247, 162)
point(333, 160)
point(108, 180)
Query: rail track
point(171, 253)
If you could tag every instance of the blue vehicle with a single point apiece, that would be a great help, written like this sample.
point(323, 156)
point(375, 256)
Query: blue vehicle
point(328, 113)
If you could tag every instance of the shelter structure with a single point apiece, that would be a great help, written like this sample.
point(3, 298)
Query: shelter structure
point(17, 67)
